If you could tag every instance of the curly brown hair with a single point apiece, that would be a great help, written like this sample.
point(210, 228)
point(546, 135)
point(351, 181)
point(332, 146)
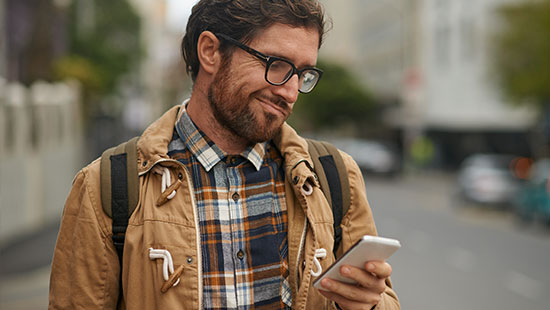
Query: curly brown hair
point(243, 19)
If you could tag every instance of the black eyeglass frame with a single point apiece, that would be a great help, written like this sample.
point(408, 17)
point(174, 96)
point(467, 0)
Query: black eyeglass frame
point(269, 60)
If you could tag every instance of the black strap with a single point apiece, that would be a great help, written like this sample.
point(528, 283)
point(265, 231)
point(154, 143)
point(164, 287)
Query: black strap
point(120, 193)
point(333, 179)
point(119, 205)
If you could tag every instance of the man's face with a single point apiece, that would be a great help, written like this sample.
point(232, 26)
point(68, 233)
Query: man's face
point(242, 100)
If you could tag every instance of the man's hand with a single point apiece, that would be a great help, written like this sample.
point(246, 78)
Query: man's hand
point(371, 283)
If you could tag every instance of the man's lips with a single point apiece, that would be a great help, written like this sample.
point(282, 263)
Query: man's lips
point(276, 106)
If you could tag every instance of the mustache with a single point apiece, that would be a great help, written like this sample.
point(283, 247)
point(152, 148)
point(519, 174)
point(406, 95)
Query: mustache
point(278, 101)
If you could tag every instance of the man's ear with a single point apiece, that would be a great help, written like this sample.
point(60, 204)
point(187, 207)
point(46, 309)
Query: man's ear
point(208, 52)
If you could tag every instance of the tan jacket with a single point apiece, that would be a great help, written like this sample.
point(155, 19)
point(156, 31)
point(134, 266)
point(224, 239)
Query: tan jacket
point(85, 270)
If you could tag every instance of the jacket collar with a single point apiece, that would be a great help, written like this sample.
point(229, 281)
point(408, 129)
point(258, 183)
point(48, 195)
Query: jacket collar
point(293, 148)
point(153, 144)
point(208, 153)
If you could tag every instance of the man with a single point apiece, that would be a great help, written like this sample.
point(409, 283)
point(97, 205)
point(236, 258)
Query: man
point(245, 223)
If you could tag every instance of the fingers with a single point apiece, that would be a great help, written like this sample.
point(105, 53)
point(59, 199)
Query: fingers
point(380, 269)
point(349, 296)
point(370, 284)
point(369, 278)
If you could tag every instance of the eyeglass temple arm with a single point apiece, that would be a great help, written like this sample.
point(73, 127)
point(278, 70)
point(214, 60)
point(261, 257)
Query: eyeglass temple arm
point(247, 49)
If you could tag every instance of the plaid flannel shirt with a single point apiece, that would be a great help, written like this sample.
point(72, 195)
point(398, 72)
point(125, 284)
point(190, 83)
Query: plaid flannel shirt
point(242, 218)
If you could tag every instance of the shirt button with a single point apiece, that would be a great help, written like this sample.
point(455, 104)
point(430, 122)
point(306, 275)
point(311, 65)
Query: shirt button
point(240, 254)
point(236, 197)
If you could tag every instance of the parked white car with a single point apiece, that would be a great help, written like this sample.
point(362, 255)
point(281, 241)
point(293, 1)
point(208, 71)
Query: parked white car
point(371, 156)
point(488, 179)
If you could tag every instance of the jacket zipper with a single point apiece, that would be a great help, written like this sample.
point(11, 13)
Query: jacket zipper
point(197, 235)
point(302, 245)
point(298, 265)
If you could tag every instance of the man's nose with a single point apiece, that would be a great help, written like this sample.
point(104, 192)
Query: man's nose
point(289, 90)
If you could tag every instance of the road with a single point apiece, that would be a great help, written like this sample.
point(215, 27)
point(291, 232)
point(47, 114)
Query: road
point(453, 256)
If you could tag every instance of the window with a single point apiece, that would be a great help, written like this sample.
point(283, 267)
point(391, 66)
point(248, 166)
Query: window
point(467, 39)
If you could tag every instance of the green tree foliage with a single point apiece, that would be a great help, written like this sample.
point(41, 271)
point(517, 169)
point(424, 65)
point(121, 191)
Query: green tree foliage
point(522, 51)
point(104, 44)
point(338, 100)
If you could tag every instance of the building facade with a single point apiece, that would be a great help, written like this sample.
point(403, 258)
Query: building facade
point(162, 69)
point(434, 58)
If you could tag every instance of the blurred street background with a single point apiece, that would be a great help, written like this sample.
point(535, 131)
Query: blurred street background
point(444, 104)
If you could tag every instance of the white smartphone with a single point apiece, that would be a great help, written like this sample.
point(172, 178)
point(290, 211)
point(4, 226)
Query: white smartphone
point(366, 249)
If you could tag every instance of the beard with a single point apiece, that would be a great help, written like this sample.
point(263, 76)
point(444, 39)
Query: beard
point(232, 107)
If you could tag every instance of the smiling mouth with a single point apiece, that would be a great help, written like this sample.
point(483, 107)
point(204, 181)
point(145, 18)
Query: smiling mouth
point(275, 107)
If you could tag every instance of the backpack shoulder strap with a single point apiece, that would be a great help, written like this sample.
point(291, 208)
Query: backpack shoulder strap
point(119, 167)
point(119, 192)
point(333, 178)
point(119, 177)
point(119, 187)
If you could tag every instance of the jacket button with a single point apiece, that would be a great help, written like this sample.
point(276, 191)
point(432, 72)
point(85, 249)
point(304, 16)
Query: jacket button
point(240, 254)
point(189, 260)
point(180, 176)
point(144, 163)
point(295, 180)
point(236, 197)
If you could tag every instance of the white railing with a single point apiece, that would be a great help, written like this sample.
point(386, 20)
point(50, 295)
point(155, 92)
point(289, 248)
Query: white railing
point(41, 144)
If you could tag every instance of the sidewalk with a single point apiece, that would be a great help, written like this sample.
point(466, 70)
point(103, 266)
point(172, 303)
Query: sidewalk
point(25, 270)
point(25, 291)
point(28, 252)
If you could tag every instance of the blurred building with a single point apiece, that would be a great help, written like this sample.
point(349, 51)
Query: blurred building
point(33, 35)
point(162, 70)
point(374, 37)
point(40, 123)
point(3, 39)
point(432, 57)
point(40, 152)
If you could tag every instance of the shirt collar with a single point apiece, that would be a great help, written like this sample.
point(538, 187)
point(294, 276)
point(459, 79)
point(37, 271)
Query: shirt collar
point(255, 154)
point(206, 151)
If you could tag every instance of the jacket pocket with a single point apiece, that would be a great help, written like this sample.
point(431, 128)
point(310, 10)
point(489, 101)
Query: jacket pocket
point(152, 274)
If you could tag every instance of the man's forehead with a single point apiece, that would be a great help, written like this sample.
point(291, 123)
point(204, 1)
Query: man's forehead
point(281, 29)
point(285, 40)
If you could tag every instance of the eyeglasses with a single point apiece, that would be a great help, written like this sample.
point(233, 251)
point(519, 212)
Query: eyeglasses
point(278, 70)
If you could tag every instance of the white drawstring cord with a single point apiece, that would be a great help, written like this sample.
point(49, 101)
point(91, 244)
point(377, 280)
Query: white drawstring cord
point(319, 253)
point(166, 180)
point(307, 189)
point(167, 264)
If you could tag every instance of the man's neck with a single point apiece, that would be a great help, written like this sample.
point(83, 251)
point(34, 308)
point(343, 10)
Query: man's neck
point(201, 113)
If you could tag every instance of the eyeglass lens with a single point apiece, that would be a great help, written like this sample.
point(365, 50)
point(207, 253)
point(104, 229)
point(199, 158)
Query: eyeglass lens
point(309, 79)
point(280, 71)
